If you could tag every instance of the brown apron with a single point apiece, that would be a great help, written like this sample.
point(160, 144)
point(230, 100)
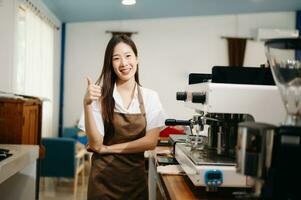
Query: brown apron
point(121, 176)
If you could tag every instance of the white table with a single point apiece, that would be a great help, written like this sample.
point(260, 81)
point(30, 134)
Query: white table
point(18, 172)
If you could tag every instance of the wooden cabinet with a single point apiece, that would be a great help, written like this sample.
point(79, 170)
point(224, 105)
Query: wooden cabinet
point(20, 120)
point(21, 123)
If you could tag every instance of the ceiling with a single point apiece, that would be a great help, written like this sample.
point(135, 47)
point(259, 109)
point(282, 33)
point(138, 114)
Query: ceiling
point(102, 10)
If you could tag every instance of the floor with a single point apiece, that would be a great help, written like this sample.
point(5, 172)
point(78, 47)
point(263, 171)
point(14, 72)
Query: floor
point(62, 188)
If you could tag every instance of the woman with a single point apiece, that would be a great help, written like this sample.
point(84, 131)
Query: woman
point(122, 120)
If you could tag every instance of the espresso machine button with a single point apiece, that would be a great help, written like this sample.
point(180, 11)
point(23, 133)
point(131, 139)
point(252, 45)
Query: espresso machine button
point(181, 96)
point(213, 179)
point(198, 97)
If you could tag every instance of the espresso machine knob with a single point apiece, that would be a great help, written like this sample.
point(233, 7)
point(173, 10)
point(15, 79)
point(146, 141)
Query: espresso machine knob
point(198, 97)
point(181, 96)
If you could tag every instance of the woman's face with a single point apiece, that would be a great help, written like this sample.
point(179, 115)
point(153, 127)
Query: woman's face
point(124, 62)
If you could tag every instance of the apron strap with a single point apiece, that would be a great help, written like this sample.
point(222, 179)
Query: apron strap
point(140, 99)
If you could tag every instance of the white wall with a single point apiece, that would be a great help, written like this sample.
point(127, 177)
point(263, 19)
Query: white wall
point(7, 30)
point(169, 49)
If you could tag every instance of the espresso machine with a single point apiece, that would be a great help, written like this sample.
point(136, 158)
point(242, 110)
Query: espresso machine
point(229, 97)
point(271, 154)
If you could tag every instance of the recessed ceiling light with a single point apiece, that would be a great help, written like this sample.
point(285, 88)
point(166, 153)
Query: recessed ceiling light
point(128, 2)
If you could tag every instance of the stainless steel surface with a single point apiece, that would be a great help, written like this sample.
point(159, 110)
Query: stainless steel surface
point(254, 148)
point(222, 131)
point(198, 164)
point(206, 157)
point(219, 148)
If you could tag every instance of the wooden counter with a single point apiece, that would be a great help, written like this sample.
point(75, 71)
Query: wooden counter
point(176, 187)
point(179, 187)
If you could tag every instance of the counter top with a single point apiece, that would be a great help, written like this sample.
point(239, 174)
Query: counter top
point(22, 156)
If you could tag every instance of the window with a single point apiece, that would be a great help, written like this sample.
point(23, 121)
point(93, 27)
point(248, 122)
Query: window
point(34, 58)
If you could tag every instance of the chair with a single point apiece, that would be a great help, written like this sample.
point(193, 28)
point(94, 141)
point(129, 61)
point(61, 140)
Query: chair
point(81, 137)
point(62, 159)
point(75, 133)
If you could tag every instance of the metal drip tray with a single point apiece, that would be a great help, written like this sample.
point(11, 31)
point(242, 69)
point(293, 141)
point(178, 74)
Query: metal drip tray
point(206, 157)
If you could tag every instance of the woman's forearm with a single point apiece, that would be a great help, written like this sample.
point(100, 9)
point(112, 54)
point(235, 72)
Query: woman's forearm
point(148, 142)
point(94, 137)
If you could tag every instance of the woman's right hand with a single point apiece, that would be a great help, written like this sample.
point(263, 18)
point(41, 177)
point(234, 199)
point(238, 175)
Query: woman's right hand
point(93, 92)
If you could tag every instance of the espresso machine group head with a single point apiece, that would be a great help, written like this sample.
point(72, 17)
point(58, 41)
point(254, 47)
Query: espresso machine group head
point(271, 154)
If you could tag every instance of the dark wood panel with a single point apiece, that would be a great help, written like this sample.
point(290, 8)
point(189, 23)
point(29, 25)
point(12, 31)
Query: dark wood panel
point(20, 121)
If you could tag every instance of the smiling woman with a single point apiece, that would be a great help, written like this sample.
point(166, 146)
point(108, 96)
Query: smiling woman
point(122, 119)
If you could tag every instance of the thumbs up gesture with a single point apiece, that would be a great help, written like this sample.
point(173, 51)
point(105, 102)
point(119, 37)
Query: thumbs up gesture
point(93, 92)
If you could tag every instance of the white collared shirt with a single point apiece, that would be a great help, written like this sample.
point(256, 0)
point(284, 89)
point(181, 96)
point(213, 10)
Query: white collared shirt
point(155, 115)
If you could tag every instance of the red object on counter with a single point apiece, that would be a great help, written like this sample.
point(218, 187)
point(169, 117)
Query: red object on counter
point(170, 130)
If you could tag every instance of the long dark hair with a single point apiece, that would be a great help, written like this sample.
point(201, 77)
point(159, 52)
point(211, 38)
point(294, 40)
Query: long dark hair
point(107, 80)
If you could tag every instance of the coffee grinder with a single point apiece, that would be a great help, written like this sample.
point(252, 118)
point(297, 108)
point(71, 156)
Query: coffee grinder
point(271, 155)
